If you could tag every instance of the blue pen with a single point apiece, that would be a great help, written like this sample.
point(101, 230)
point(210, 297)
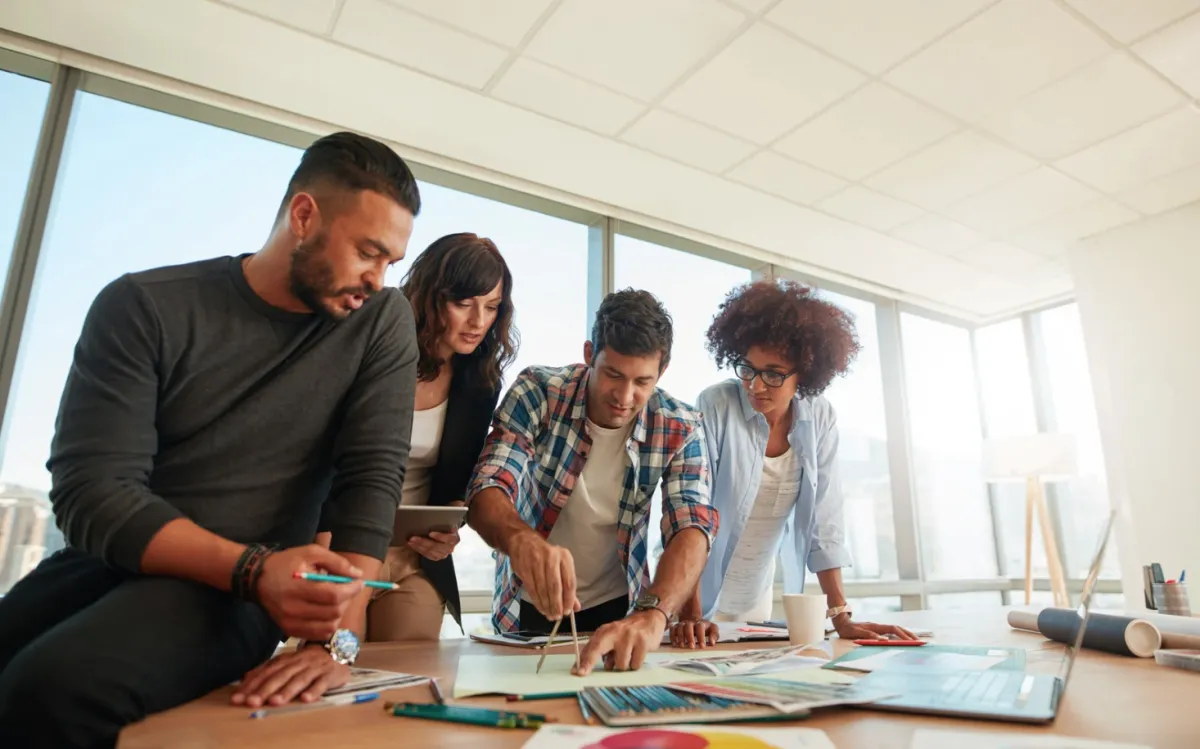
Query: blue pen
point(317, 577)
point(335, 701)
point(1182, 575)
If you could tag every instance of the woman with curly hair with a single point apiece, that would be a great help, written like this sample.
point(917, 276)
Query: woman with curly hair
point(772, 445)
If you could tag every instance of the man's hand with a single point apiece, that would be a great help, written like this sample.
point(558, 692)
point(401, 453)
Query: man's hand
point(694, 633)
point(437, 546)
point(851, 630)
point(307, 672)
point(547, 573)
point(301, 608)
point(623, 644)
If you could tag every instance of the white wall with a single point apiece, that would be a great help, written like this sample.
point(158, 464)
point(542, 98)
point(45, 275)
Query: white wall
point(1138, 288)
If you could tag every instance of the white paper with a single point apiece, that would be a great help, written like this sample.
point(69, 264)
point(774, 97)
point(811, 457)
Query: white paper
point(928, 738)
point(375, 680)
point(556, 736)
point(933, 661)
point(753, 661)
point(741, 631)
point(528, 644)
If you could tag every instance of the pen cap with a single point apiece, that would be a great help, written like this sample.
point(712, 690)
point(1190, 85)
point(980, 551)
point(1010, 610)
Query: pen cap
point(1172, 598)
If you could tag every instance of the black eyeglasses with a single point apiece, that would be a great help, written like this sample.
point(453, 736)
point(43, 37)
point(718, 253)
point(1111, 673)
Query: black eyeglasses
point(770, 377)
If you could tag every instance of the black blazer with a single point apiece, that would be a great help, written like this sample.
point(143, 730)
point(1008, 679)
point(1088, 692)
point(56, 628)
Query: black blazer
point(468, 418)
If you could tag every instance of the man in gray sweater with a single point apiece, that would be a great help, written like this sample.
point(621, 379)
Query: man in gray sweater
point(212, 410)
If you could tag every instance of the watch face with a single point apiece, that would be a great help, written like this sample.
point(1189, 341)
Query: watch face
point(646, 601)
point(343, 646)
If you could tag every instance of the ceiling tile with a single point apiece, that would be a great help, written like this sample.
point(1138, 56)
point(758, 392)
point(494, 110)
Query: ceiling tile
point(1176, 52)
point(788, 179)
point(1111, 94)
point(938, 234)
point(1054, 236)
point(997, 57)
point(872, 34)
point(379, 28)
point(1127, 20)
point(1021, 201)
point(955, 168)
point(753, 6)
point(1002, 259)
point(870, 129)
point(310, 15)
point(505, 23)
point(1166, 192)
point(632, 46)
point(1159, 147)
point(549, 91)
point(687, 141)
point(762, 85)
point(869, 208)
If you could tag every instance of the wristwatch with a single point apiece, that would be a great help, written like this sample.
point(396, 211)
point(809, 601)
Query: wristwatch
point(343, 647)
point(650, 602)
point(843, 609)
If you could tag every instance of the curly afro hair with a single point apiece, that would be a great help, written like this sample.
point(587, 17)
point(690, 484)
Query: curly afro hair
point(817, 337)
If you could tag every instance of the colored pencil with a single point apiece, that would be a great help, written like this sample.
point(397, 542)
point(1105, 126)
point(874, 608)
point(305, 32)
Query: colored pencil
point(541, 696)
point(583, 708)
point(438, 697)
point(316, 577)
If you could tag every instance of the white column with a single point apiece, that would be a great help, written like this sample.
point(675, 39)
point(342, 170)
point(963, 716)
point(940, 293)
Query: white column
point(1138, 288)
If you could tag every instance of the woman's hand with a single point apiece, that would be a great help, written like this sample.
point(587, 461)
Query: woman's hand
point(851, 630)
point(694, 633)
point(437, 546)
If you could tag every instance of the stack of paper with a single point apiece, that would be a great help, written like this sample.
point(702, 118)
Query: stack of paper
point(375, 680)
point(753, 661)
point(586, 737)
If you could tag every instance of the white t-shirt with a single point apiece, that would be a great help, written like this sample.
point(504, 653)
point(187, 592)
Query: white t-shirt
point(587, 526)
point(746, 592)
point(423, 455)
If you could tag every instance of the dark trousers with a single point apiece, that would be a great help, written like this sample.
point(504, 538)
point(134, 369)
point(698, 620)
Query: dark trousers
point(86, 649)
point(587, 620)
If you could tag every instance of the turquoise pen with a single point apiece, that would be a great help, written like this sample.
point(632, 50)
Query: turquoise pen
point(317, 577)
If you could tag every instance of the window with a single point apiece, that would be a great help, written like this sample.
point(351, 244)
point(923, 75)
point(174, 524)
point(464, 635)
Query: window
point(548, 259)
point(964, 600)
point(862, 451)
point(1008, 411)
point(1083, 503)
point(137, 189)
point(955, 523)
point(691, 288)
point(23, 101)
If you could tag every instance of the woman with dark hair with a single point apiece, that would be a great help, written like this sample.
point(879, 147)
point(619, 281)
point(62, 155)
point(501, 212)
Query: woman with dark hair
point(460, 290)
point(772, 446)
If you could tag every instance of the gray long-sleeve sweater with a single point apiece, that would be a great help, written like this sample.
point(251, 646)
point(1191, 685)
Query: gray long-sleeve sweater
point(191, 396)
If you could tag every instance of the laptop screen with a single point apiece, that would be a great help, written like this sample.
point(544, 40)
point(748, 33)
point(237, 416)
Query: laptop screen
point(1085, 600)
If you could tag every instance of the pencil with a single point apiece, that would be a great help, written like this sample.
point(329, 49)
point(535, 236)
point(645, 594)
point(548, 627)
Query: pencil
point(583, 708)
point(319, 578)
point(540, 696)
point(438, 697)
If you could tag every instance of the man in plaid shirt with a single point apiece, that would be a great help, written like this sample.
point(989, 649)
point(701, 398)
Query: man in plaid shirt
point(603, 436)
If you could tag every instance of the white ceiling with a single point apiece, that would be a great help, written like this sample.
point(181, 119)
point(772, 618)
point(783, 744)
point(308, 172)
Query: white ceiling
point(949, 150)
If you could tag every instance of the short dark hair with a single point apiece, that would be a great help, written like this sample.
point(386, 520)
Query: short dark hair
point(453, 268)
point(817, 338)
point(633, 323)
point(353, 162)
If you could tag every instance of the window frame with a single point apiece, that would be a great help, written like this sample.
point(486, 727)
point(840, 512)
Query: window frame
point(192, 103)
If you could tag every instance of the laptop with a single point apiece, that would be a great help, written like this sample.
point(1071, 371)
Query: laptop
point(994, 694)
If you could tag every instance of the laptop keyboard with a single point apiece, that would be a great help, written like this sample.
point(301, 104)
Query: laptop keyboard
point(980, 689)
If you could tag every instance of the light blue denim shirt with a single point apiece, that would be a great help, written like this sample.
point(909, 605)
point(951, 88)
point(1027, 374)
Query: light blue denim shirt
point(737, 443)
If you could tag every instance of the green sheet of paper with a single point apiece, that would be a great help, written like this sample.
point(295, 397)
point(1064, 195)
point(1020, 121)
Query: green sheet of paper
point(515, 674)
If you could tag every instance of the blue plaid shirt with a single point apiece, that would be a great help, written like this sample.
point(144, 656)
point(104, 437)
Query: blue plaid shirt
point(536, 452)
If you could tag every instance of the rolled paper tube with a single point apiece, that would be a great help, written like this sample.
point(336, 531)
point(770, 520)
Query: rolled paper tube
point(1178, 632)
point(1122, 635)
point(1026, 620)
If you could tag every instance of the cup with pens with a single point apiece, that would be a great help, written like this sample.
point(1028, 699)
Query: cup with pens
point(1166, 596)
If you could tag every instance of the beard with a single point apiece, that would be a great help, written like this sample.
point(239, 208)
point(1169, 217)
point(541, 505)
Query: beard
point(312, 280)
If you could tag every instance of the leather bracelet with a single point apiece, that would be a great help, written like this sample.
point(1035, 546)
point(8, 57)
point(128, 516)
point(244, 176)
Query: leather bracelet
point(247, 571)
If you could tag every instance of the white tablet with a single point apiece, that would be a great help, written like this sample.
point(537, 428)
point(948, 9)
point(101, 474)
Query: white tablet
point(420, 520)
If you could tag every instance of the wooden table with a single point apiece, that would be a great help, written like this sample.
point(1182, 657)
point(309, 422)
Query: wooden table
point(1110, 697)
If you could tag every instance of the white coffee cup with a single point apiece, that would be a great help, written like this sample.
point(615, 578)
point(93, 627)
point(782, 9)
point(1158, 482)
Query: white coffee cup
point(805, 617)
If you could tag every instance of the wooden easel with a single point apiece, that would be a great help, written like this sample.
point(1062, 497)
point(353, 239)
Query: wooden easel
point(1058, 582)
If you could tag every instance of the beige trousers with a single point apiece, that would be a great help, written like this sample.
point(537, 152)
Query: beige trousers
point(414, 611)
